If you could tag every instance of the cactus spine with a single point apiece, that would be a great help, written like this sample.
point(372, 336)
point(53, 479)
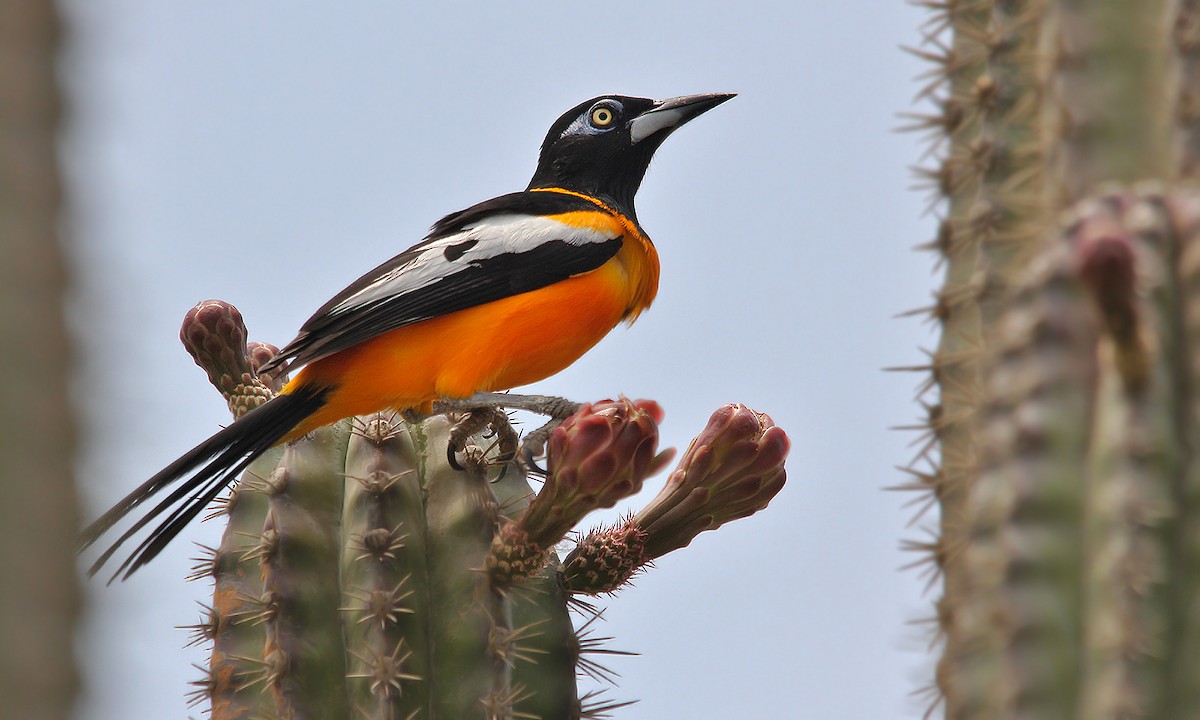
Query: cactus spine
point(1062, 434)
point(362, 575)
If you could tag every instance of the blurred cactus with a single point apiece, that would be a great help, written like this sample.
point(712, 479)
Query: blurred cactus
point(362, 575)
point(39, 596)
point(1060, 443)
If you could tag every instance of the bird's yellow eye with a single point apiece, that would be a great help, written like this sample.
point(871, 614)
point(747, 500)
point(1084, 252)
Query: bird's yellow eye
point(602, 116)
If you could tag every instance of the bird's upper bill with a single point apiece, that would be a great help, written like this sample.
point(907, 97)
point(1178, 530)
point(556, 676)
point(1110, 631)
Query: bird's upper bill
point(671, 113)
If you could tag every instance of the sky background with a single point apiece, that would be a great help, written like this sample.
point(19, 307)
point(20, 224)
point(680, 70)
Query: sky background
point(267, 153)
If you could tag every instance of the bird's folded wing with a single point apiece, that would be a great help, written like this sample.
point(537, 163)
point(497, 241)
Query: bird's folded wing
point(505, 246)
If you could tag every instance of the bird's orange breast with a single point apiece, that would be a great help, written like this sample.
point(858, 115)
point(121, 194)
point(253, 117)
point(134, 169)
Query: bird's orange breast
point(499, 345)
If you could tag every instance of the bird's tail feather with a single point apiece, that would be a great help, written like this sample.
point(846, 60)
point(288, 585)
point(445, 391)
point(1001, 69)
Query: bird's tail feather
point(204, 471)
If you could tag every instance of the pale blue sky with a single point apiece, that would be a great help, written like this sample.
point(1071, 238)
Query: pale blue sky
point(269, 152)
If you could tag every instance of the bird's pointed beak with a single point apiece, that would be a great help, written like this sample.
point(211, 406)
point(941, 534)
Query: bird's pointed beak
point(666, 115)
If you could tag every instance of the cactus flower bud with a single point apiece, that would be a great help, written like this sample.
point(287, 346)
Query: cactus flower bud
point(260, 353)
point(597, 457)
point(731, 470)
point(1107, 265)
point(215, 336)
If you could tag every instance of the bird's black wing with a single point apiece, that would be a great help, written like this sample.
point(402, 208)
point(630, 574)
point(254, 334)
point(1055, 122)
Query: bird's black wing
point(502, 247)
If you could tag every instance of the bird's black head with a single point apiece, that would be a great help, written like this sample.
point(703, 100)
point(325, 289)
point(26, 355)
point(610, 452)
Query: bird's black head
point(602, 147)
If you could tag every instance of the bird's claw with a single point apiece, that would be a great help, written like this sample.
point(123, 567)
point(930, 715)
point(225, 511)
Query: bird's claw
point(489, 422)
point(451, 457)
point(529, 457)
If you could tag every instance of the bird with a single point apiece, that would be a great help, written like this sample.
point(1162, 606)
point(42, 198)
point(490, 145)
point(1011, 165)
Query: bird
point(502, 294)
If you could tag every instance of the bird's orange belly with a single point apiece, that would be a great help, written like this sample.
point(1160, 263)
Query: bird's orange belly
point(504, 344)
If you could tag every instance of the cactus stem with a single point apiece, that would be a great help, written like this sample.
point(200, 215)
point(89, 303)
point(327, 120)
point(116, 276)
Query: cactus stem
point(1186, 113)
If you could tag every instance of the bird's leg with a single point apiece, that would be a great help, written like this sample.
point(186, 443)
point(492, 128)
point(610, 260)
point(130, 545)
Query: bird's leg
point(506, 438)
point(548, 405)
point(556, 408)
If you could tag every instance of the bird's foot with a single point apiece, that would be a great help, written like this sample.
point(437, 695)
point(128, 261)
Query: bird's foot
point(477, 418)
point(534, 445)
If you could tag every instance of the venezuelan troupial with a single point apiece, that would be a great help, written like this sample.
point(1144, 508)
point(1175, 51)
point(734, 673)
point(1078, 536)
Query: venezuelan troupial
point(502, 294)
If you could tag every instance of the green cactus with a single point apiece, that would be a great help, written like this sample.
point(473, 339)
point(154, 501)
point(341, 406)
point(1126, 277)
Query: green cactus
point(362, 575)
point(1061, 437)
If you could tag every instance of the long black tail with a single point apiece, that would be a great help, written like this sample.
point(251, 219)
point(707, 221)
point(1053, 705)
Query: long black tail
point(220, 459)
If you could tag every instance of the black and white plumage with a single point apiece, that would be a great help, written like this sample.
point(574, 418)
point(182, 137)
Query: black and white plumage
point(505, 246)
point(595, 156)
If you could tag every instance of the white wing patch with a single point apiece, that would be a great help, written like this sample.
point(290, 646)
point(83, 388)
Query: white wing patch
point(475, 244)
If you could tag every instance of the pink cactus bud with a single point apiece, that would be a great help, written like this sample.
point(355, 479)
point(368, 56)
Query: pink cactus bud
point(1106, 257)
point(1107, 266)
point(260, 353)
point(730, 471)
point(598, 456)
point(215, 336)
